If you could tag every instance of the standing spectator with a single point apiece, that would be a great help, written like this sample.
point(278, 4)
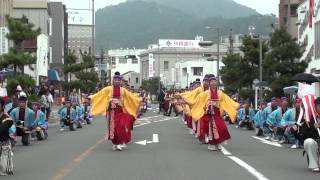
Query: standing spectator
point(74, 97)
point(51, 90)
point(44, 104)
point(161, 99)
point(50, 103)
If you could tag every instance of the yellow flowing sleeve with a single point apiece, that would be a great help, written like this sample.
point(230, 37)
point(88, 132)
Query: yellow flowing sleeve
point(191, 96)
point(198, 108)
point(228, 105)
point(131, 102)
point(100, 100)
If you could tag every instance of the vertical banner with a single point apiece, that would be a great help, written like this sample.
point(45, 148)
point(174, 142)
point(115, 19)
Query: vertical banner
point(4, 43)
point(151, 65)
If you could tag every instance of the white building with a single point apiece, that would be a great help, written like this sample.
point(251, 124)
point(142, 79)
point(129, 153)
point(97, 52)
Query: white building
point(309, 36)
point(161, 60)
point(189, 71)
point(124, 60)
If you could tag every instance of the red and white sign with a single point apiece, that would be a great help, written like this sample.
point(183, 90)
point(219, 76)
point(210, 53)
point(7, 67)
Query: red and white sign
point(176, 43)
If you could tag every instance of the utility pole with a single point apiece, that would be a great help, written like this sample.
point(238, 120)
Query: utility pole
point(231, 42)
point(93, 29)
point(260, 67)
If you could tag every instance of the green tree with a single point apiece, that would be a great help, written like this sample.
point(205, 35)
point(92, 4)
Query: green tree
point(282, 62)
point(19, 31)
point(87, 78)
point(244, 68)
point(151, 85)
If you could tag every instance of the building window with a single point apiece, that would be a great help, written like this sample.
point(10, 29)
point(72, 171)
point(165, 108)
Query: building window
point(166, 65)
point(197, 71)
point(134, 61)
point(122, 60)
point(137, 80)
point(184, 71)
point(113, 60)
point(129, 80)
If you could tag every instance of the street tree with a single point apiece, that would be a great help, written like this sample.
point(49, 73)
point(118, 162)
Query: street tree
point(282, 62)
point(19, 31)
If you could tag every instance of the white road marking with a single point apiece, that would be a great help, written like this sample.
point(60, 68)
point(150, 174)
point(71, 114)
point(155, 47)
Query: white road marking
point(155, 138)
point(143, 143)
point(225, 151)
point(267, 142)
point(249, 168)
point(243, 164)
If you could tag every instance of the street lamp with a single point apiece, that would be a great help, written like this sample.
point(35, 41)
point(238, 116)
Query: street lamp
point(218, 49)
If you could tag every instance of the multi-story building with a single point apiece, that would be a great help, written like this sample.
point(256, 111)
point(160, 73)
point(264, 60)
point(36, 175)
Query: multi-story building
point(6, 8)
point(288, 15)
point(58, 36)
point(160, 60)
point(189, 71)
point(36, 11)
point(124, 61)
point(79, 30)
point(309, 36)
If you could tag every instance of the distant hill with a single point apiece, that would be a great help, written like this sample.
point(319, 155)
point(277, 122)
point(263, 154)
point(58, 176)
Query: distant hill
point(140, 23)
point(208, 8)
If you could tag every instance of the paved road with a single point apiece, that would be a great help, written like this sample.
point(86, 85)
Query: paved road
point(83, 155)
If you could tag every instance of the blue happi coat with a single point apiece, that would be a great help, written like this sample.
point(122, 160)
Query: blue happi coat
point(40, 120)
point(87, 111)
point(29, 117)
point(274, 119)
point(242, 114)
point(79, 112)
point(289, 117)
point(260, 118)
point(63, 114)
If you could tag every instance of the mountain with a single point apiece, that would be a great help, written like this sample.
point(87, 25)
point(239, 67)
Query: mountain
point(140, 23)
point(208, 8)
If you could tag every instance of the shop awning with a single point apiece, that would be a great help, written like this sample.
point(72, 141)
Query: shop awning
point(53, 75)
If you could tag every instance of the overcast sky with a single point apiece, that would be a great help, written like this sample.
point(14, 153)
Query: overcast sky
point(262, 6)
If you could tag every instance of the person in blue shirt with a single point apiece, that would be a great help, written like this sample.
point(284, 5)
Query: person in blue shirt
point(245, 116)
point(274, 120)
point(68, 117)
point(40, 124)
point(259, 119)
point(86, 110)
point(79, 114)
point(23, 118)
point(288, 123)
point(267, 132)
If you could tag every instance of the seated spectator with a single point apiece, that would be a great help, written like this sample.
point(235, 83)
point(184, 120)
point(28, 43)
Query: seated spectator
point(246, 116)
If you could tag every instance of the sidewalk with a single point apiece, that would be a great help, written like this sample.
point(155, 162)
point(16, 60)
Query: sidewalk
point(54, 116)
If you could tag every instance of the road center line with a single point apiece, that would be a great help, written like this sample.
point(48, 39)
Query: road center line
point(267, 142)
point(76, 161)
point(249, 168)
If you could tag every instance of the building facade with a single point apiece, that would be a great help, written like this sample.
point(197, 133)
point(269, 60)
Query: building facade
point(309, 36)
point(288, 15)
point(58, 38)
point(80, 27)
point(6, 8)
point(124, 60)
point(133, 79)
point(189, 71)
point(36, 11)
point(160, 61)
